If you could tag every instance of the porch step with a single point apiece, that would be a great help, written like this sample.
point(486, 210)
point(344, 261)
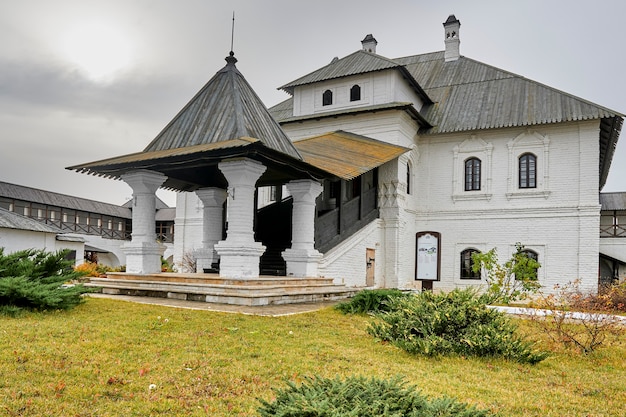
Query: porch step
point(213, 289)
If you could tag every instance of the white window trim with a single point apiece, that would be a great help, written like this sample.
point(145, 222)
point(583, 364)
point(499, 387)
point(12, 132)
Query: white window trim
point(458, 248)
point(477, 148)
point(539, 145)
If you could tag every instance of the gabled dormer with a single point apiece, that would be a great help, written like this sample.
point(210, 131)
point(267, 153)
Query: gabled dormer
point(360, 80)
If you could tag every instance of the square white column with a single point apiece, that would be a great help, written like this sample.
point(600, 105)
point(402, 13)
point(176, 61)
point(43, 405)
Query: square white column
point(143, 252)
point(302, 258)
point(213, 201)
point(239, 253)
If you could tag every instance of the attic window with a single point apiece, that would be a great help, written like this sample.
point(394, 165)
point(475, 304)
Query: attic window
point(355, 93)
point(327, 98)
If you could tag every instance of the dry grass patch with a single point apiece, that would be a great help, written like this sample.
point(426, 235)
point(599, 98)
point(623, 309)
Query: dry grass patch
point(112, 358)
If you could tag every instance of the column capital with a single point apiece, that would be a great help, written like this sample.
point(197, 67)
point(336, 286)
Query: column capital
point(144, 181)
point(238, 169)
point(211, 196)
point(304, 189)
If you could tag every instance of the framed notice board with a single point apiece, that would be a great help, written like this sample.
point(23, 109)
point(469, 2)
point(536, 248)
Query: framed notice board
point(427, 256)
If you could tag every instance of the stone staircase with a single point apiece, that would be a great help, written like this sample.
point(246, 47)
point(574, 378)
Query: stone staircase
point(211, 288)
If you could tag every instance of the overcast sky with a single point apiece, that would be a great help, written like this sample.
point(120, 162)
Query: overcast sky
point(83, 80)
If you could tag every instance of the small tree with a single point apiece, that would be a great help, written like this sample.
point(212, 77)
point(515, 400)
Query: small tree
point(38, 280)
point(513, 280)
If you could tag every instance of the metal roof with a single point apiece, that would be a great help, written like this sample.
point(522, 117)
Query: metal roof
point(468, 95)
point(10, 220)
point(613, 201)
point(406, 106)
point(347, 155)
point(33, 195)
point(359, 62)
point(226, 108)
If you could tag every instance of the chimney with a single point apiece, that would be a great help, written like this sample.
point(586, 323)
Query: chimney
point(451, 28)
point(369, 44)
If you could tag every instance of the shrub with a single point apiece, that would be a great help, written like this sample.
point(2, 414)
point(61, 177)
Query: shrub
point(38, 280)
point(575, 319)
point(458, 322)
point(513, 280)
point(370, 301)
point(362, 397)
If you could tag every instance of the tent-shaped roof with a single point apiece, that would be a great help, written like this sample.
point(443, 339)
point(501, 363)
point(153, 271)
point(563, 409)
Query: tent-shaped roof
point(225, 108)
point(225, 119)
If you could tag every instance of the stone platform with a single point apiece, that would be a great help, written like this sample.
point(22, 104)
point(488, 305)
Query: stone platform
point(211, 288)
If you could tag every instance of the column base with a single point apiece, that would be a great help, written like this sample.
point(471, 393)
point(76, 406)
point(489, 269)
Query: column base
point(143, 258)
point(205, 258)
point(239, 260)
point(302, 262)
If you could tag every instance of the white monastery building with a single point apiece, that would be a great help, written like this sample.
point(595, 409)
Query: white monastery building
point(381, 172)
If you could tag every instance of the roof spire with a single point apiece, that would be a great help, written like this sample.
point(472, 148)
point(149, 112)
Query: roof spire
point(230, 59)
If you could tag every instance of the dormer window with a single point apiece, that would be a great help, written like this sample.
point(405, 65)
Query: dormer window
point(327, 98)
point(355, 93)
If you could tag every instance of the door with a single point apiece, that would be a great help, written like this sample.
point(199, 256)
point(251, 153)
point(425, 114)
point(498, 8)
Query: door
point(370, 258)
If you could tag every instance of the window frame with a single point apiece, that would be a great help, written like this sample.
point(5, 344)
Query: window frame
point(472, 176)
point(529, 173)
point(465, 271)
point(327, 98)
point(355, 93)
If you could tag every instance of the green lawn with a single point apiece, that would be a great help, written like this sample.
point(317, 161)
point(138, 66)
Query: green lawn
point(114, 358)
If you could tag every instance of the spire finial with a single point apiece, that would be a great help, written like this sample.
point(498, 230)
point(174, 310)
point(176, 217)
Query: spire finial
point(232, 34)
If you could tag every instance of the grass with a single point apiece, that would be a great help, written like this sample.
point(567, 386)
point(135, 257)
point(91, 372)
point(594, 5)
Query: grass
point(113, 358)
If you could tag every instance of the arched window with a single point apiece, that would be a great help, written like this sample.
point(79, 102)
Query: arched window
point(408, 178)
point(472, 174)
point(355, 93)
point(327, 98)
point(531, 254)
point(528, 171)
point(467, 264)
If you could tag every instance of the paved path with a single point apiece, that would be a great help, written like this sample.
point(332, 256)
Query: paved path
point(268, 310)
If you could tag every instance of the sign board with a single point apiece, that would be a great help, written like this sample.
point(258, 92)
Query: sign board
point(427, 256)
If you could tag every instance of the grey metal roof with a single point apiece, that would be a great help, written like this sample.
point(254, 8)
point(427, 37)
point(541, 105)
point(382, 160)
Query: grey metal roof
point(359, 62)
point(468, 95)
point(406, 106)
point(613, 201)
point(10, 220)
point(34, 195)
point(225, 108)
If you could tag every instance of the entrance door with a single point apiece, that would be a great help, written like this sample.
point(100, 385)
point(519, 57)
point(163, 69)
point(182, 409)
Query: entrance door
point(370, 259)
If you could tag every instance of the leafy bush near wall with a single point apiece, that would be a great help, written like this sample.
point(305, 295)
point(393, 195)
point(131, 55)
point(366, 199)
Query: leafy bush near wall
point(362, 397)
point(370, 301)
point(38, 280)
point(457, 322)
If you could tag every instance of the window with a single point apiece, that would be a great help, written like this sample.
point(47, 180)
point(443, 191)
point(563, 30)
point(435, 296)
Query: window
point(355, 93)
point(531, 254)
point(408, 178)
point(528, 171)
point(327, 98)
point(472, 174)
point(467, 263)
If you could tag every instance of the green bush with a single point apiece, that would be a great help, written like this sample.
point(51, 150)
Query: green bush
point(38, 280)
point(457, 322)
point(370, 301)
point(362, 397)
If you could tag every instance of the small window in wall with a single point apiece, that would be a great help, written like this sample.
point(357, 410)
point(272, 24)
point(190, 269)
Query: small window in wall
point(408, 178)
point(355, 93)
point(528, 171)
point(467, 264)
point(472, 174)
point(531, 254)
point(327, 98)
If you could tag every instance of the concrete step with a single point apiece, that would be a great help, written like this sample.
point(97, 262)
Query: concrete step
point(215, 279)
point(256, 292)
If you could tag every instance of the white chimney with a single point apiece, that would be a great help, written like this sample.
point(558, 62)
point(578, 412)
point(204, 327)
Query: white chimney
point(369, 44)
point(451, 28)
